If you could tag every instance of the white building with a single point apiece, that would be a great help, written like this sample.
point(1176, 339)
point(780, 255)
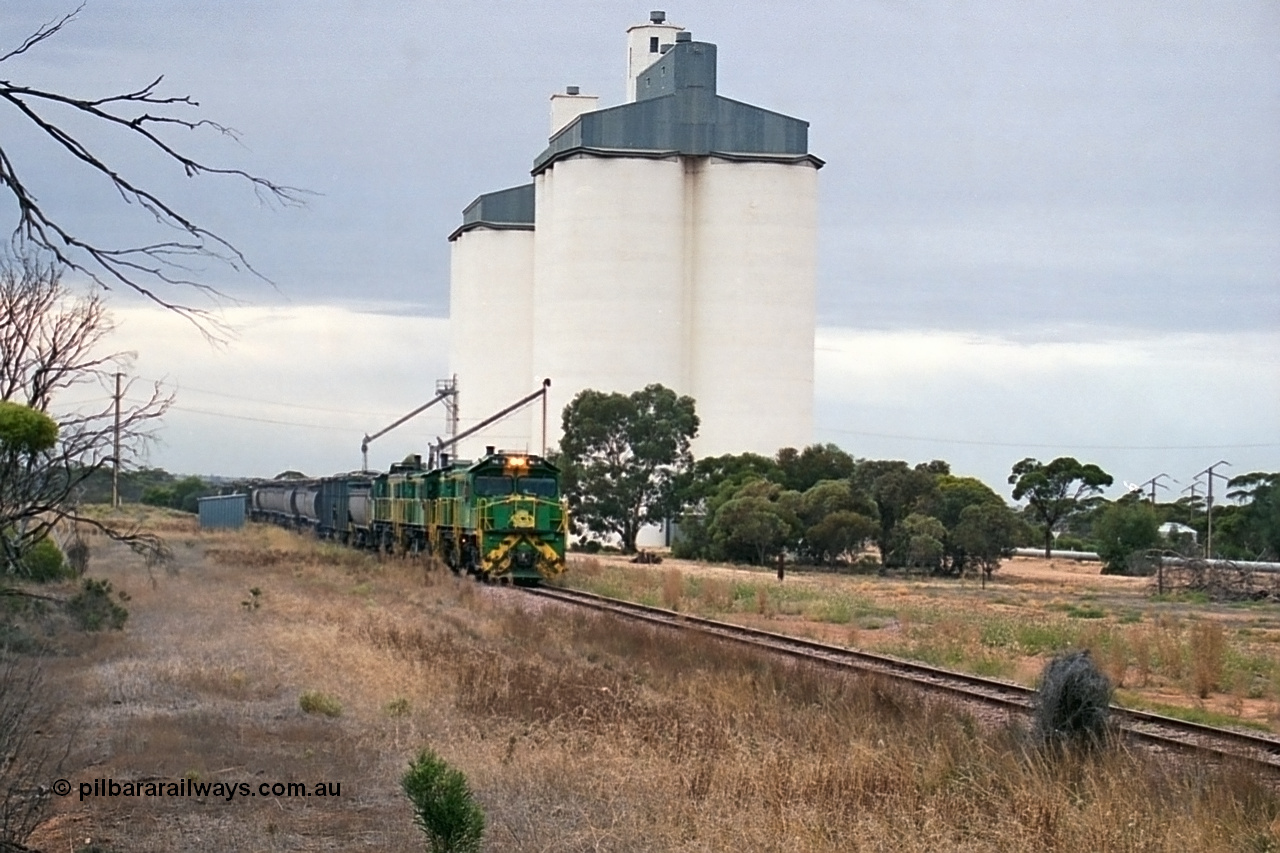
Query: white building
point(1172, 529)
point(670, 239)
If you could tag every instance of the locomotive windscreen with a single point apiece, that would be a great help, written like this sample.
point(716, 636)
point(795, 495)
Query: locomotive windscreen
point(543, 487)
point(488, 487)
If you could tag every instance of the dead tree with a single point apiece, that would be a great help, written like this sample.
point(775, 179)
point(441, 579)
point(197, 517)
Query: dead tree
point(31, 751)
point(50, 343)
point(148, 120)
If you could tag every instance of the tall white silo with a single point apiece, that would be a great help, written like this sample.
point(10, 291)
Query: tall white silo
point(608, 277)
point(490, 326)
point(674, 241)
point(751, 353)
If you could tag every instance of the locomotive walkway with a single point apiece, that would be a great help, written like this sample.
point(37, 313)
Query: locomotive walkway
point(1154, 730)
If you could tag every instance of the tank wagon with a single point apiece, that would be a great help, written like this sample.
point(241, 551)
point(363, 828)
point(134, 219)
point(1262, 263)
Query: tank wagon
point(288, 502)
point(499, 518)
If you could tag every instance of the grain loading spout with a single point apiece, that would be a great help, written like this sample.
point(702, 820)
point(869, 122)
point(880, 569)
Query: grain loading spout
point(446, 391)
point(442, 444)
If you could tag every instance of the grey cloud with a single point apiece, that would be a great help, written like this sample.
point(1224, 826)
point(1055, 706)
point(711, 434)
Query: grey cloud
point(988, 162)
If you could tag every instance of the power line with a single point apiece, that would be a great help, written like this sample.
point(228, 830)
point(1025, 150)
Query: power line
point(1050, 446)
point(181, 387)
point(261, 420)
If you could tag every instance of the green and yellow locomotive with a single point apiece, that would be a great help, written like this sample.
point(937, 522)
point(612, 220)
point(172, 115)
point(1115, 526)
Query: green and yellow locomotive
point(499, 518)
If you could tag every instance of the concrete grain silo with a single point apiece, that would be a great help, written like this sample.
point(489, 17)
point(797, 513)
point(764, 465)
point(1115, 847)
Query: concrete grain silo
point(671, 239)
point(491, 311)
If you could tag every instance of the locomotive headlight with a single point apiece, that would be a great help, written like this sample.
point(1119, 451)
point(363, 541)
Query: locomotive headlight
point(517, 462)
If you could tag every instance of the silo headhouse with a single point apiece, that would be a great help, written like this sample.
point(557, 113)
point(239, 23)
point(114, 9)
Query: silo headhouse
point(670, 239)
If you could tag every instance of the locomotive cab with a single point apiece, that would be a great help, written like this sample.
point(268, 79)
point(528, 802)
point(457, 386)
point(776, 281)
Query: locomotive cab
point(519, 521)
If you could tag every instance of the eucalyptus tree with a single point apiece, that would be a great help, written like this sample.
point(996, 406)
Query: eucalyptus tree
point(1056, 490)
point(624, 457)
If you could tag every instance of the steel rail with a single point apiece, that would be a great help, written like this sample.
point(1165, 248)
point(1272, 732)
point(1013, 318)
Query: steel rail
point(1145, 726)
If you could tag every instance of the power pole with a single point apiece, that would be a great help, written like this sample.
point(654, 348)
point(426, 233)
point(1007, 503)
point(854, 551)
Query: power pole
point(1209, 474)
point(1155, 481)
point(1191, 508)
point(115, 453)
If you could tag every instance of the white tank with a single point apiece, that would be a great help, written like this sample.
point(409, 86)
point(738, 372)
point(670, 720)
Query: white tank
point(304, 501)
point(754, 267)
point(490, 326)
point(273, 498)
point(360, 508)
point(608, 277)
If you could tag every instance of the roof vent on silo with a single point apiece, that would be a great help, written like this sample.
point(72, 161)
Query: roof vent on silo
point(657, 16)
point(684, 36)
point(568, 105)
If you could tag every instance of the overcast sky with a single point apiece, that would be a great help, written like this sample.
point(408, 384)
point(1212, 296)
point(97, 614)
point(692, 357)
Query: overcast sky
point(1046, 228)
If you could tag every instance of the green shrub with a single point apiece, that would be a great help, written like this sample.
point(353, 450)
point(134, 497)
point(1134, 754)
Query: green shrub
point(443, 806)
point(25, 430)
point(157, 496)
point(93, 610)
point(1085, 611)
point(182, 494)
point(1066, 542)
point(44, 563)
point(315, 702)
point(1123, 530)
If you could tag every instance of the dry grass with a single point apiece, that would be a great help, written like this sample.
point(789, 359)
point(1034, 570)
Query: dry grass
point(672, 588)
point(577, 733)
point(1154, 649)
point(1208, 652)
point(717, 595)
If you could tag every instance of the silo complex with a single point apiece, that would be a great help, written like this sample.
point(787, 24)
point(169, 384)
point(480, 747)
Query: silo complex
point(670, 239)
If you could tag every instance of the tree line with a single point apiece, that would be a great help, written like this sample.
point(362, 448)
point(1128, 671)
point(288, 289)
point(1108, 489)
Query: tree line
point(628, 463)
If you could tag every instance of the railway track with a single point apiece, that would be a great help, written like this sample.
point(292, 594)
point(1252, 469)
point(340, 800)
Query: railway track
point(1161, 732)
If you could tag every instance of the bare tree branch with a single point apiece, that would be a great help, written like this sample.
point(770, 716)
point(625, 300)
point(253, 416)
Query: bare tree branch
point(139, 115)
point(42, 34)
point(30, 758)
point(50, 342)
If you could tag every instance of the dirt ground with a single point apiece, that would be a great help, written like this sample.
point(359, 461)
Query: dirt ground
point(204, 686)
point(577, 735)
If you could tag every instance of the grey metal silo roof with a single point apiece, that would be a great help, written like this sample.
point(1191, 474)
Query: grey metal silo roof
point(677, 111)
point(510, 209)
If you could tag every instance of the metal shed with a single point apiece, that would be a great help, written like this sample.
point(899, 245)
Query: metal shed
point(222, 511)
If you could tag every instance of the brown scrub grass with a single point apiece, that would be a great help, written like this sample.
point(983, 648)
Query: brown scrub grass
point(1215, 663)
point(576, 732)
